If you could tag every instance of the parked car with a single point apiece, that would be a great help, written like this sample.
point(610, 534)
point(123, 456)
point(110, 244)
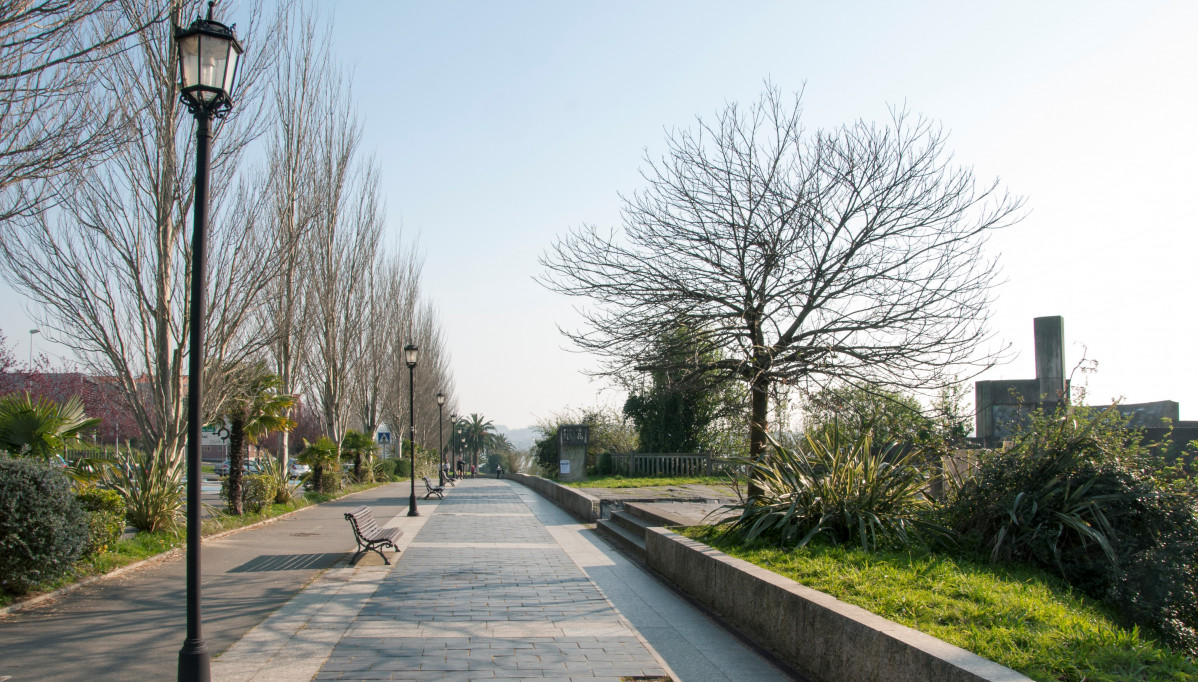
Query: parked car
point(295, 469)
point(249, 467)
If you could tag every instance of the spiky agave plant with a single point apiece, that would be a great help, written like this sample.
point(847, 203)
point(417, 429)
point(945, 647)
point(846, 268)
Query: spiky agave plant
point(845, 490)
point(151, 485)
point(285, 490)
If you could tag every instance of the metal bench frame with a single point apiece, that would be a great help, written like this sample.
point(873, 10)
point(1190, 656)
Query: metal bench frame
point(369, 535)
point(438, 490)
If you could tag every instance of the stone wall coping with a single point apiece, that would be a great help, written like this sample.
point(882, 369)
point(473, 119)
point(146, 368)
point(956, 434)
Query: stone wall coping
point(824, 638)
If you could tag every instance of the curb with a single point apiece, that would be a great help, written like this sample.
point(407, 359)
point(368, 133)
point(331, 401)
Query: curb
point(169, 554)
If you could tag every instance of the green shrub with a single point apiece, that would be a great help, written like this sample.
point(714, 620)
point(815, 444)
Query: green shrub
point(1081, 495)
point(42, 528)
point(385, 469)
point(105, 518)
point(284, 489)
point(403, 469)
point(840, 489)
point(151, 484)
point(606, 465)
point(258, 492)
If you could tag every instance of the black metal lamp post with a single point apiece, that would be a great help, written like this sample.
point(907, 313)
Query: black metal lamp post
point(453, 442)
point(441, 436)
point(208, 60)
point(411, 352)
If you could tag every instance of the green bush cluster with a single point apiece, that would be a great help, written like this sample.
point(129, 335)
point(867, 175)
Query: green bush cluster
point(391, 469)
point(1081, 495)
point(258, 491)
point(43, 530)
point(105, 518)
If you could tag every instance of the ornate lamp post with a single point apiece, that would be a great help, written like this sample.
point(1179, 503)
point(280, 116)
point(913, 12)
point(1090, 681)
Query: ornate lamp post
point(453, 441)
point(411, 352)
point(441, 436)
point(208, 60)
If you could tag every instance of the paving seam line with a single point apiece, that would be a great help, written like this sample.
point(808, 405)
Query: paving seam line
point(149, 561)
point(540, 499)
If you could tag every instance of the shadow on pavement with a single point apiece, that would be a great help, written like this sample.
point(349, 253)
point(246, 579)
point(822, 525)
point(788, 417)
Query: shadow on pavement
point(288, 562)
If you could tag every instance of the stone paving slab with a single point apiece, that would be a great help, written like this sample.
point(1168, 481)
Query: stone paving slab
point(485, 592)
point(493, 582)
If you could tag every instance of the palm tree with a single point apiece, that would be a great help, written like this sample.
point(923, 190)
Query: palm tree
point(41, 428)
point(478, 433)
point(360, 448)
point(252, 412)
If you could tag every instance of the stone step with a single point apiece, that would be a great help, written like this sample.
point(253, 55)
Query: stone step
point(631, 523)
point(621, 538)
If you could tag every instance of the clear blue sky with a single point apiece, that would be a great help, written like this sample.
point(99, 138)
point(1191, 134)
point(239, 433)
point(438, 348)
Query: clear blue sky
point(500, 125)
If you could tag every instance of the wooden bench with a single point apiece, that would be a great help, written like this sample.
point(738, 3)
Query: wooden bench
point(369, 535)
point(438, 490)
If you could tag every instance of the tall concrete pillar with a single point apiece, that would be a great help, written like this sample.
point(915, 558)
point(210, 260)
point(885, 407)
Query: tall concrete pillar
point(1050, 358)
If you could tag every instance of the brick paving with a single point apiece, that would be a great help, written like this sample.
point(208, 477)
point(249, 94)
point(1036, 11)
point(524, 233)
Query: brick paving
point(483, 592)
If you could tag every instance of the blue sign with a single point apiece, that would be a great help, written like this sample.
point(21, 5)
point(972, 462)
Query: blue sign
point(384, 436)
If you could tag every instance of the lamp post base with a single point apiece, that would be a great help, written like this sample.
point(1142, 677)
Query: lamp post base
point(195, 663)
point(412, 506)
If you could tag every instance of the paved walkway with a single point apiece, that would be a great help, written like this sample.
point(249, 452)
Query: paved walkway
point(493, 582)
point(130, 627)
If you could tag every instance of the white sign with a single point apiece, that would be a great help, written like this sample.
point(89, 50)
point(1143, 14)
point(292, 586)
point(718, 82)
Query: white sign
point(565, 466)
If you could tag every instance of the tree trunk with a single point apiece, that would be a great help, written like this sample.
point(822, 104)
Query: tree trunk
point(236, 461)
point(758, 425)
point(318, 478)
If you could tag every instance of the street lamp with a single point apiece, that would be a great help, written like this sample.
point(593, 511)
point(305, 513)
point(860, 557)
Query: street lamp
point(453, 441)
point(411, 352)
point(208, 59)
point(31, 333)
point(441, 436)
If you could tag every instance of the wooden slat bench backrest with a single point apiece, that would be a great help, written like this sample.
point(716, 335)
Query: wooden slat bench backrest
point(362, 520)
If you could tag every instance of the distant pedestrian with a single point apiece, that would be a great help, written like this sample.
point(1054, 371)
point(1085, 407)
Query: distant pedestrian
point(461, 469)
point(498, 471)
point(473, 470)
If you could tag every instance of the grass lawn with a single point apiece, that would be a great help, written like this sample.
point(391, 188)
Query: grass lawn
point(207, 468)
point(145, 545)
point(1020, 617)
point(618, 481)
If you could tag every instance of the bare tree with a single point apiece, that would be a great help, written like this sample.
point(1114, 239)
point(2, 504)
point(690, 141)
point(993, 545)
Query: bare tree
point(852, 254)
point(340, 258)
point(303, 79)
point(432, 374)
point(53, 121)
point(109, 269)
point(392, 290)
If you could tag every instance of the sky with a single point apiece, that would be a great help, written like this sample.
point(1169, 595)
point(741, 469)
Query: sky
point(500, 126)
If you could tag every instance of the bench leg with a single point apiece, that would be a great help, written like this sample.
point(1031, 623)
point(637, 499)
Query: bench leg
point(380, 553)
point(370, 548)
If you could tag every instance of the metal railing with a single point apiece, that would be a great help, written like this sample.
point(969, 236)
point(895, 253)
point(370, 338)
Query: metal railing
point(669, 464)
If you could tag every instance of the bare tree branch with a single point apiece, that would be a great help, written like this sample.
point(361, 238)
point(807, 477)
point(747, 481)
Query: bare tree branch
point(855, 254)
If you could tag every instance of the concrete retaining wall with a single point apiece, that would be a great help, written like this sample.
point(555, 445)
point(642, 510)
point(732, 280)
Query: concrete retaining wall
point(574, 501)
point(822, 637)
